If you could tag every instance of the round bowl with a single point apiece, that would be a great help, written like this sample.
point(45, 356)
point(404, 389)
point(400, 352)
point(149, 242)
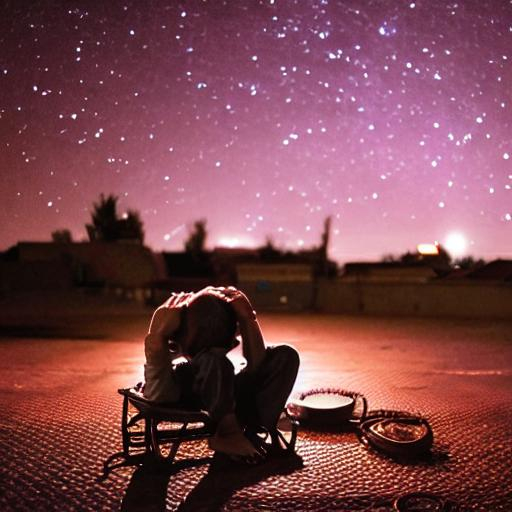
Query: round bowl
point(323, 407)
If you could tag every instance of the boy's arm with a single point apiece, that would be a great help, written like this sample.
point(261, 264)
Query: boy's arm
point(253, 345)
point(164, 323)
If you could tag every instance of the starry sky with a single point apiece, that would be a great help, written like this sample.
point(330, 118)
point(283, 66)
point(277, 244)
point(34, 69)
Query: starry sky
point(264, 117)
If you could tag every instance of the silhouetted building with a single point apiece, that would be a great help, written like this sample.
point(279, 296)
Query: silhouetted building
point(278, 286)
point(47, 265)
point(416, 289)
point(497, 270)
point(417, 272)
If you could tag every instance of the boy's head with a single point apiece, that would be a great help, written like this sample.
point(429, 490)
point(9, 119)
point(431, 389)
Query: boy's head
point(208, 322)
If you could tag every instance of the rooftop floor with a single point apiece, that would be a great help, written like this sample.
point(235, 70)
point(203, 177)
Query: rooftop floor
point(61, 415)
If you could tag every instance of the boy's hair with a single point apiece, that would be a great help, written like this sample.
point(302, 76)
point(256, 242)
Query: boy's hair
point(214, 322)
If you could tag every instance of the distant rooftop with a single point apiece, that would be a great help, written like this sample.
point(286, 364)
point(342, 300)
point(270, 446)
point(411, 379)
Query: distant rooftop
point(497, 270)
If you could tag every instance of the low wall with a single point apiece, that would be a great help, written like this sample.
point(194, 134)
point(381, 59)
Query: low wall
point(37, 275)
point(437, 298)
point(279, 296)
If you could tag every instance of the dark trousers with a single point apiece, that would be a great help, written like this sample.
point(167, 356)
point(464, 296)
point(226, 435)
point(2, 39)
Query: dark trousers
point(258, 397)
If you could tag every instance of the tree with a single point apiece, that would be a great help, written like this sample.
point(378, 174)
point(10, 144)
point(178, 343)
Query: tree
point(389, 258)
point(107, 226)
point(131, 227)
point(195, 244)
point(62, 236)
point(325, 267)
point(269, 251)
point(104, 225)
point(326, 236)
point(411, 257)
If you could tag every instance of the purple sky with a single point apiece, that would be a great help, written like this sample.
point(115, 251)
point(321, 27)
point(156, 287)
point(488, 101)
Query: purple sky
point(264, 117)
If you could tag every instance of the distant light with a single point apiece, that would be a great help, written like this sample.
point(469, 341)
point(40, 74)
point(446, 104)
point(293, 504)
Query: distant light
point(456, 244)
point(232, 242)
point(427, 249)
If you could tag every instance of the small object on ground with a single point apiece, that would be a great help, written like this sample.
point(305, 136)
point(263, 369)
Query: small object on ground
point(396, 433)
point(329, 407)
point(423, 502)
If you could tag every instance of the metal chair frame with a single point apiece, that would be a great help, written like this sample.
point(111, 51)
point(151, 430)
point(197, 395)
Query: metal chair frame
point(143, 440)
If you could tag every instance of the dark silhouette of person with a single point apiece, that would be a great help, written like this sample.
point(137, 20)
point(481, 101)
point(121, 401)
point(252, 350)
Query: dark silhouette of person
point(199, 329)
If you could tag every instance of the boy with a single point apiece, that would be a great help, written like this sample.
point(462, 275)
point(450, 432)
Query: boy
point(202, 328)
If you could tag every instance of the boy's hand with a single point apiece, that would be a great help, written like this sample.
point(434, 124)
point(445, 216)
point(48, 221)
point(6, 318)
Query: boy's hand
point(166, 319)
point(237, 300)
point(178, 300)
point(164, 322)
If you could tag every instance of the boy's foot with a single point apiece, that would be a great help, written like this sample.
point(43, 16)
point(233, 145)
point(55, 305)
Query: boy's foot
point(229, 440)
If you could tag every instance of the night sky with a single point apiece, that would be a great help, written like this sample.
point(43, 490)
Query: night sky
point(263, 117)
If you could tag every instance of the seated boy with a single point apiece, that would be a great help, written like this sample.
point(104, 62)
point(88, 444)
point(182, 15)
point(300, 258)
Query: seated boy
point(201, 327)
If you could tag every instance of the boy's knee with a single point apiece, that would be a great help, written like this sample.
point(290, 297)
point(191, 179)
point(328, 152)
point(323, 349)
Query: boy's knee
point(286, 355)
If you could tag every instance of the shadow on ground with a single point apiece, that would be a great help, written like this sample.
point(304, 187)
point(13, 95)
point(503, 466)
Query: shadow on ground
point(147, 490)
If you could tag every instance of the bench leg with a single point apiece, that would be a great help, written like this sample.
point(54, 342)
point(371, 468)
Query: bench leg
point(156, 444)
point(124, 428)
point(124, 458)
